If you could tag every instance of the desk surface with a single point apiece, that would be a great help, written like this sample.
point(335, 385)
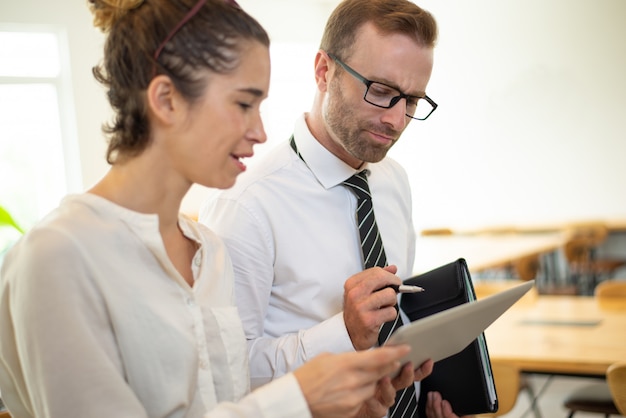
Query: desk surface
point(483, 251)
point(575, 335)
point(614, 224)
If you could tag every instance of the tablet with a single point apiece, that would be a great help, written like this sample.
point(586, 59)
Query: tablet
point(445, 333)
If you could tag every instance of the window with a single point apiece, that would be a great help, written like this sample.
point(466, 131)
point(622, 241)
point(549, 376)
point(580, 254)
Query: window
point(38, 147)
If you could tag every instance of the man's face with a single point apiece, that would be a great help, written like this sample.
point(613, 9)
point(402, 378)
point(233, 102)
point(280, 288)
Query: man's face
point(364, 131)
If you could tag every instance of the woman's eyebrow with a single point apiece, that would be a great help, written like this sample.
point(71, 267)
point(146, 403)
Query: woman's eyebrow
point(253, 91)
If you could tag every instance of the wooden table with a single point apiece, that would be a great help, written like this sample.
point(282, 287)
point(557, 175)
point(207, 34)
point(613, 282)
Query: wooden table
point(616, 225)
point(567, 335)
point(483, 251)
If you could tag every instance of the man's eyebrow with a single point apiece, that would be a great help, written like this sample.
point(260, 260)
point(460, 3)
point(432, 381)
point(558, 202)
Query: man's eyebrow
point(391, 84)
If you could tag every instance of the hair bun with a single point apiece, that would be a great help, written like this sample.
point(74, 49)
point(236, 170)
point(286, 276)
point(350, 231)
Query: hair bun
point(107, 12)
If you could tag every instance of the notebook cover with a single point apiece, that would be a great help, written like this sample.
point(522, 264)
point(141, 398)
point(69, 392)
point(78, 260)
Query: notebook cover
point(463, 378)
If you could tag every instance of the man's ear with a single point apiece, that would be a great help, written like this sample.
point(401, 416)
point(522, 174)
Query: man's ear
point(162, 99)
point(322, 70)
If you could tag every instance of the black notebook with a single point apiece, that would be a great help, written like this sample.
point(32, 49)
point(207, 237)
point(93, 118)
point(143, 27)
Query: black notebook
point(464, 379)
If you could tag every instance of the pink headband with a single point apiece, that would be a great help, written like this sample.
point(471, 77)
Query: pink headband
point(191, 13)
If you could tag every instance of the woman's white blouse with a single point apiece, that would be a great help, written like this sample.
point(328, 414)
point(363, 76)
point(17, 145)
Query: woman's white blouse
point(95, 321)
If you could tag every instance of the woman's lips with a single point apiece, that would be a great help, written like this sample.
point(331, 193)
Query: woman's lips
point(238, 160)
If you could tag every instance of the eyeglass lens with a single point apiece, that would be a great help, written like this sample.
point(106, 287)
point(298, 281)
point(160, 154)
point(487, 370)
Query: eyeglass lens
point(384, 96)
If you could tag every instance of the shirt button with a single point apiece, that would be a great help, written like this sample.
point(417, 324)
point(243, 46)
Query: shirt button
point(190, 302)
point(197, 260)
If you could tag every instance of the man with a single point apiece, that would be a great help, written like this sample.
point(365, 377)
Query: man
point(290, 224)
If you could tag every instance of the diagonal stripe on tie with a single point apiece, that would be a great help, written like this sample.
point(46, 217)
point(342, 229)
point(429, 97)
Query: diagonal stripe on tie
point(405, 405)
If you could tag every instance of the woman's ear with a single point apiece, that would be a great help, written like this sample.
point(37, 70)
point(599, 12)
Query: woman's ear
point(161, 98)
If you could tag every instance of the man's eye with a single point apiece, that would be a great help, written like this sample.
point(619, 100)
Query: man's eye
point(412, 101)
point(382, 90)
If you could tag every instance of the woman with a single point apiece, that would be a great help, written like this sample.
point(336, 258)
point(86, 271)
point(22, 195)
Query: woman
point(116, 305)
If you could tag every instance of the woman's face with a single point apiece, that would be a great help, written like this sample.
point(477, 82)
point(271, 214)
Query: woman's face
point(225, 123)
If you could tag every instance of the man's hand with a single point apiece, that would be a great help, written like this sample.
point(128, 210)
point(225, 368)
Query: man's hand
point(367, 304)
point(437, 407)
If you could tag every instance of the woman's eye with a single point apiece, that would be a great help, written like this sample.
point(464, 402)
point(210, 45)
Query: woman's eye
point(245, 106)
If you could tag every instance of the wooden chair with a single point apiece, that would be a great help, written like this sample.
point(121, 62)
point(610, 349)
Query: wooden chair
point(610, 289)
point(586, 268)
point(592, 398)
point(616, 379)
point(608, 398)
point(509, 383)
point(527, 268)
point(507, 380)
point(603, 397)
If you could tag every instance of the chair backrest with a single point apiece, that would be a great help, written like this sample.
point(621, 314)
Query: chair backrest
point(611, 288)
point(616, 378)
point(5, 414)
point(584, 238)
point(527, 267)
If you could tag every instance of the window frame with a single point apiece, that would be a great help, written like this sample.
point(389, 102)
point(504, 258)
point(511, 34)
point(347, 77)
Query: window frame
point(65, 98)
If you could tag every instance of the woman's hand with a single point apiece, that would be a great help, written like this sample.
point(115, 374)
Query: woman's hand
point(339, 385)
point(386, 389)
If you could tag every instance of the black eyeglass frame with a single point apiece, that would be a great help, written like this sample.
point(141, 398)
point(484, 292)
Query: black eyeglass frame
point(394, 100)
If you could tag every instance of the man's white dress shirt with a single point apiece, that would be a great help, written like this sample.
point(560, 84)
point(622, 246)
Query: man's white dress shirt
point(290, 228)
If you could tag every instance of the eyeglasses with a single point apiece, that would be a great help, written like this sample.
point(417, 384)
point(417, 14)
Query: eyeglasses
point(384, 96)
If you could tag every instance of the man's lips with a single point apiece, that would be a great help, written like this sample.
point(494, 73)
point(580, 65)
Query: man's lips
point(382, 137)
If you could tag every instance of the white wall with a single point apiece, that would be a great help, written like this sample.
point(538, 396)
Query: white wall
point(532, 122)
point(531, 126)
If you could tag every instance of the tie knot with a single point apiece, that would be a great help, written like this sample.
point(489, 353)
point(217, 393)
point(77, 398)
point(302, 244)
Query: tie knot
point(358, 184)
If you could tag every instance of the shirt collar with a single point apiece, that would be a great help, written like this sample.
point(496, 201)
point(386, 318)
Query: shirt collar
point(325, 166)
point(145, 225)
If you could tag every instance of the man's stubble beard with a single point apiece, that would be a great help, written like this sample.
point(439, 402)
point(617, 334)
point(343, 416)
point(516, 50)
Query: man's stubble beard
point(343, 122)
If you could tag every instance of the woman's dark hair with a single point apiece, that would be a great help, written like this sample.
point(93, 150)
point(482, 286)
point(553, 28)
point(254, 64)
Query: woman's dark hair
point(189, 35)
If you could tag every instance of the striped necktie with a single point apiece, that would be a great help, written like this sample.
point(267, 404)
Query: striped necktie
point(374, 255)
point(405, 405)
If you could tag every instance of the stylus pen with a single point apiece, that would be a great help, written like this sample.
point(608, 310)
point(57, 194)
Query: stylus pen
point(405, 288)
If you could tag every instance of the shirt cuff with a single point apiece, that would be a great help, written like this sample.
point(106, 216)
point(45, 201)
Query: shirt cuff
point(329, 336)
point(282, 398)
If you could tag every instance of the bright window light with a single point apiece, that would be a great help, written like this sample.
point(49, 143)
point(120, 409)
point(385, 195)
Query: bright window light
point(29, 54)
point(33, 169)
